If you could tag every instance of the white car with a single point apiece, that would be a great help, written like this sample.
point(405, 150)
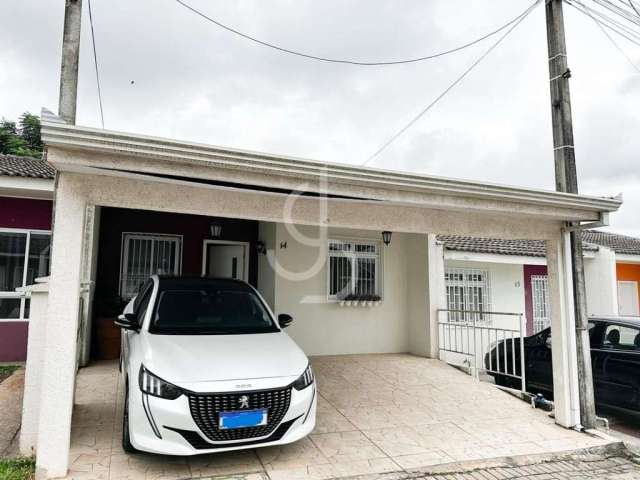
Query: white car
point(206, 368)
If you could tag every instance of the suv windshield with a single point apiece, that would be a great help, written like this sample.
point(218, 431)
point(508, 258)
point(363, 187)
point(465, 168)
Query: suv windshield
point(210, 310)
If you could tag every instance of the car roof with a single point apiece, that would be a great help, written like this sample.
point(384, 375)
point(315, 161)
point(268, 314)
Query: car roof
point(173, 281)
point(630, 321)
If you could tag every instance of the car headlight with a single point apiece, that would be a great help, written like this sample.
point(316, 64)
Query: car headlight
point(157, 387)
point(304, 380)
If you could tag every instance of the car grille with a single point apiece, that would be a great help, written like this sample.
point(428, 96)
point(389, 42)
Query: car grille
point(206, 408)
point(199, 443)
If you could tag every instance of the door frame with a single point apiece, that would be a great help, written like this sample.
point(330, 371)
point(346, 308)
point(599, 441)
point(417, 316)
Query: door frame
point(245, 245)
point(635, 284)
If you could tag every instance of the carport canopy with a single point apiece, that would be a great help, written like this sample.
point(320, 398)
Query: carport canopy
point(97, 168)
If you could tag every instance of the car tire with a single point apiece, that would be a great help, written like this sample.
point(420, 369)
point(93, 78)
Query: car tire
point(127, 446)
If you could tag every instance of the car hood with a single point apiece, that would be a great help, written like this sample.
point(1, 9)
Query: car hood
point(188, 359)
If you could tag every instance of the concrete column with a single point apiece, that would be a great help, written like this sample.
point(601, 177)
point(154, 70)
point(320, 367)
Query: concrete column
point(35, 349)
point(418, 294)
point(89, 267)
point(59, 372)
point(437, 296)
point(563, 337)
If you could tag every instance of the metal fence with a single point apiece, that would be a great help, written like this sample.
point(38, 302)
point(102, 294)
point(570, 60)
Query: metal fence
point(493, 345)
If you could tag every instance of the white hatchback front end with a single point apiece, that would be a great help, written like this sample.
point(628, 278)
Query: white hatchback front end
point(189, 392)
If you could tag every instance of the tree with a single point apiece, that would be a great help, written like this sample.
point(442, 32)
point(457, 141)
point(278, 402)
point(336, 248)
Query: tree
point(30, 131)
point(24, 139)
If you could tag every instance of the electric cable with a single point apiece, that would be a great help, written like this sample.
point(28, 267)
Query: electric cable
point(95, 61)
point(450, 87)
point(347, 61)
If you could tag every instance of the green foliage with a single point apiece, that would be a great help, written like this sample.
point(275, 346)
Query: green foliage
point(6, 370)
point(30, 131)
point(17, 469)
point(23, 139)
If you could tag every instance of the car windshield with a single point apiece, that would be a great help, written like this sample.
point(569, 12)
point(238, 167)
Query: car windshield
point(210, 311)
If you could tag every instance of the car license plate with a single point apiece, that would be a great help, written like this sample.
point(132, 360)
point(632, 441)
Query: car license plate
point(242, 419)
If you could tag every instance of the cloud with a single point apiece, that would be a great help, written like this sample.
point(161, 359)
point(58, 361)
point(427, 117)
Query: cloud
point(195, 81)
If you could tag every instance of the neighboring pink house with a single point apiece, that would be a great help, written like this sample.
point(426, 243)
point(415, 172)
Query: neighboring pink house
point(26, 186)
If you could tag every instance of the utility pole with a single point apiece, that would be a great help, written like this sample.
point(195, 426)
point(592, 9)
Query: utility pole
point(567, 181)
point(70, 57)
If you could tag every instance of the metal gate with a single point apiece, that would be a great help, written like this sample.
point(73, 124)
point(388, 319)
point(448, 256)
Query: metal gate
point(484, 343)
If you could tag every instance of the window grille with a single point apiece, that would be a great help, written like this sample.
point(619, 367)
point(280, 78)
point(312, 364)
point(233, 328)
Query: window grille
point(468, 291)
point(144, 255)
point(540, 294)
point(354, 270)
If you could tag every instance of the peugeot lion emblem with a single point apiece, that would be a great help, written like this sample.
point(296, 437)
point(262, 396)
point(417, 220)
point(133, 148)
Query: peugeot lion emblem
point(243, 401)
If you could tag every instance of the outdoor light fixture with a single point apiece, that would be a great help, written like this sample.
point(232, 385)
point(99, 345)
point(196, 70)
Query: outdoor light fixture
point(261, 248)
point(216, 229)
point(386, 237)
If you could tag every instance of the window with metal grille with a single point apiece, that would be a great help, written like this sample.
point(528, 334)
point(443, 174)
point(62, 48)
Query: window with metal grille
point(144, 255)
point(540, 294)
point(354, 270)
point(468, 294)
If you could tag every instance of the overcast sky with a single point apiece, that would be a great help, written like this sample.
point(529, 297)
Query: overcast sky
point(166, 72)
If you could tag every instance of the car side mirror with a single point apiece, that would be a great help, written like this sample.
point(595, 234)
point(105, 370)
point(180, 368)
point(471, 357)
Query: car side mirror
point(284, 319)
point(128, 321)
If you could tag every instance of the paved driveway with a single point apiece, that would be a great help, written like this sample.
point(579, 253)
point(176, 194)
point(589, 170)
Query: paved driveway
point(376, 414)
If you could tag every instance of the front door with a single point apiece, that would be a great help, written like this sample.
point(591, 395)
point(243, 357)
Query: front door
point(223, 260)
point(628, 298)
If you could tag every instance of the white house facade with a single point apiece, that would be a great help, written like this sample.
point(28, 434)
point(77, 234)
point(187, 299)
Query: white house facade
point(511, 276)
point(351, 253)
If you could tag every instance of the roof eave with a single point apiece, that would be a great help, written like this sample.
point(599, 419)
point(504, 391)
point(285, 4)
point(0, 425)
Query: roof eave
point(68, 137)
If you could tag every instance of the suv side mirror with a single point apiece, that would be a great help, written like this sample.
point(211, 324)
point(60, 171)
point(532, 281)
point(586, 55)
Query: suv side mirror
point(128, 321)
point(284, 319)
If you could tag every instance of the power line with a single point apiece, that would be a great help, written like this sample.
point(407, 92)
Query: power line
point(635, 9)
point(612, 24)
point(95, 61)
point(450, 87)
point(629, 28)
point(628, 33)
point(615, 44)
point(617, 10)
point(346, 61)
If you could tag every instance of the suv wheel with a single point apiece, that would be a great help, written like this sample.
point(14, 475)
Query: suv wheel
point(127, 446)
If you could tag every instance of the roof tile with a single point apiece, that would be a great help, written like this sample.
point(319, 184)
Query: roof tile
point(526, 248)
point(15, 166)
point(622, 244)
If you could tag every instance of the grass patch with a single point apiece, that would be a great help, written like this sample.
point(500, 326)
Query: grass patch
point(17, 469)
point(8, 369)
point(5, 372)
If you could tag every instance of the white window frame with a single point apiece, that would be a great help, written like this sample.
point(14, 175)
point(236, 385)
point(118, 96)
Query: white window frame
point(636, 304)
point(124, 250)
point(466, 285)
point(352, 255)
point(13, 295)
point(539, 321)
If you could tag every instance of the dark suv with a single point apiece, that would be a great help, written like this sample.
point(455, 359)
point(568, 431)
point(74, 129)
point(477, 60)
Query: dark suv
point(615, 359)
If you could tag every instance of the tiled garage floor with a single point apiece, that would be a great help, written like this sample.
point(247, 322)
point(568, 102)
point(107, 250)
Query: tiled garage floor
point(376, 413)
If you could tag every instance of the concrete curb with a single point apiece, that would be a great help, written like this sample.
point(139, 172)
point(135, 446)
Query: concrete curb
point(614, 449)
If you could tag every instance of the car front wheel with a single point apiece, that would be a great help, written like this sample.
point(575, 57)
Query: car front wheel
point(127, 446)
